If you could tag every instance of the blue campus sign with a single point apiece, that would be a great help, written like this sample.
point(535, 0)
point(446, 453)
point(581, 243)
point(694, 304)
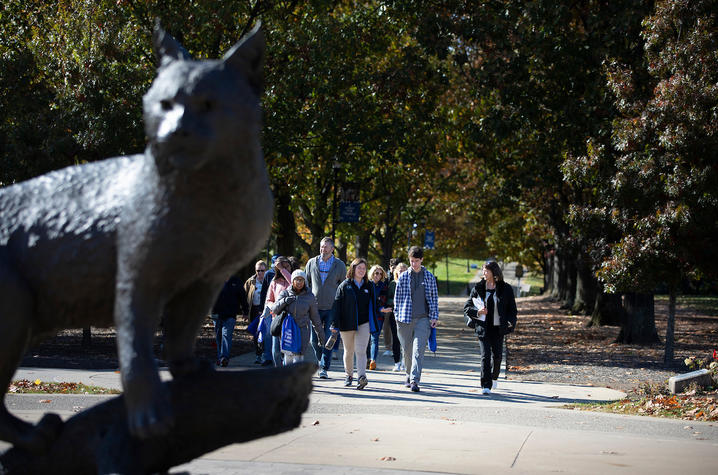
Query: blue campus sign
point(429, 240)
point(349, 211)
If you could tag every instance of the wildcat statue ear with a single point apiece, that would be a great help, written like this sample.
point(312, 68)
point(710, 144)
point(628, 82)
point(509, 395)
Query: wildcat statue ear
point(247, 56)
point(167, 49)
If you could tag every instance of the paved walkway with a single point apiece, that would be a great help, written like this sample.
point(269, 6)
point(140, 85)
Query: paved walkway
point(448, 427)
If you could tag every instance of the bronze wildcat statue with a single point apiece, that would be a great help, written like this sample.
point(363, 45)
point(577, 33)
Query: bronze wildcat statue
point(132, 239)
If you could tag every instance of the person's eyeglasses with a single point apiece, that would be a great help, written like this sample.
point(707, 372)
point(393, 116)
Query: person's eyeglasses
point(260, 270)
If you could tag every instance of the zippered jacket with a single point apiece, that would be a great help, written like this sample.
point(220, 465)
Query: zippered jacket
point(325, 292)
point(303, 307)
point(505, 304)
point(346, 314)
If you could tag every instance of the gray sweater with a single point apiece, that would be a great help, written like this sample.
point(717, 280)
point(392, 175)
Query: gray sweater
point(325, 292)
point(303, 308)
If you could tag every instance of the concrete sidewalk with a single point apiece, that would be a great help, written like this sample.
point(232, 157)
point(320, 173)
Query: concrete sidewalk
point(448, 427)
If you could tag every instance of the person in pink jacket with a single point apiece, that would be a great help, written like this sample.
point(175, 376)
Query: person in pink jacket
point(281, 282)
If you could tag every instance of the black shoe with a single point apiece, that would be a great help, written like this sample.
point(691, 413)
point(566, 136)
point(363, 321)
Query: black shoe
point(348, 381)
point(414, 388)
point(223, 362)
point(258, 360)
point(407, 383)
point(361, 384)
point(267, 363)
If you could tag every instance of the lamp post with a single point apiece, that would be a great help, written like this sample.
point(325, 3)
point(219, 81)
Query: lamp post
point(335, 169)
point(412, 230)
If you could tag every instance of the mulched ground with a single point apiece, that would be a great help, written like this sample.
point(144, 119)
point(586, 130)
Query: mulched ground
point(65, 349)
point(551, 345)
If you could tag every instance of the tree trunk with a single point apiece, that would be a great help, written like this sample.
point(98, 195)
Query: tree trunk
point(554, 273)
point(607, 310)
point(548, 272)
point(386, 241)
point(387, 249)
point(286, 226)
point(341, 249)
point(586, 286)
point(670, 327)
point(362, 245)
point(307, 247)
point(640, 324)
point(569, 292)
point(561, 276)
point(86, 337)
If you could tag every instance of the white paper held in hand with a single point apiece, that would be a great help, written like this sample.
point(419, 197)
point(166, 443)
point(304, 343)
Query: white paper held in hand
point(479, 304)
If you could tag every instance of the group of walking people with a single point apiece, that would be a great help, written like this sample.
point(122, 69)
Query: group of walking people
point(330, 303)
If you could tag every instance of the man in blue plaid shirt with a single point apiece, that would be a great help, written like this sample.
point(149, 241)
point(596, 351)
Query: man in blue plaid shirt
point(416, 307)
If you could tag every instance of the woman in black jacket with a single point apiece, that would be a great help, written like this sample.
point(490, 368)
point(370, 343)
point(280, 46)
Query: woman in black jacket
point(355, 312)
point(492, 319)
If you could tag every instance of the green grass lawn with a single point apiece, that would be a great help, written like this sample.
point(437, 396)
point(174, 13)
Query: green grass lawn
point(535, 280)
point(458, 278)
point(707, 304)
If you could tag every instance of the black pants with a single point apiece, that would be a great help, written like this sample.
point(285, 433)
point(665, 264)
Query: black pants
point(491, 346)
point(395, 344)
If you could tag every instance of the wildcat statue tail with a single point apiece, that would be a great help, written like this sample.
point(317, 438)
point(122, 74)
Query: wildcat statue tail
point(129, 240)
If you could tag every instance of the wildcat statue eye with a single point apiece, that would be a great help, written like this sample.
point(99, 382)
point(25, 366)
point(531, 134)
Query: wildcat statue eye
point(166, 105)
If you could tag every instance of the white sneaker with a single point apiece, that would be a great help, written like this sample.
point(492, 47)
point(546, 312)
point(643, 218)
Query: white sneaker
point(403, 368)
point(397, 368)
point(486, 391)
point(495, 384)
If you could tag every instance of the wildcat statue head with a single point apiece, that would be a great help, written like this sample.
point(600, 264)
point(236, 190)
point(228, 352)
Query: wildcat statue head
point(191, 110)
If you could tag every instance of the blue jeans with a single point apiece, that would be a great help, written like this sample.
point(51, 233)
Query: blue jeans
point(266, 341)
point(374, 342)
point(223, 329)
point(324, 356)
point(413, 337)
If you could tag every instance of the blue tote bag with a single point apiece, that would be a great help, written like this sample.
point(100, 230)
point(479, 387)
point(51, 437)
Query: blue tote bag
point(253, 327)
point(291, 335)
point(432, 340)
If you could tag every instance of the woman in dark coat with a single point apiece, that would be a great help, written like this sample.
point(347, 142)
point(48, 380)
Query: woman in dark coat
point(355, 312)
point(494, 317)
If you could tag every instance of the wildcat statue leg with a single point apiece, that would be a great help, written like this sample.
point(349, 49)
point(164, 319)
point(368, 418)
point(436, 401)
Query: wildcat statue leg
point(16, 308)
point(130, 240)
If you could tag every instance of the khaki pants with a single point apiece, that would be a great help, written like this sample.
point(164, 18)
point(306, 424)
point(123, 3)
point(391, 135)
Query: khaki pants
point(355, 343)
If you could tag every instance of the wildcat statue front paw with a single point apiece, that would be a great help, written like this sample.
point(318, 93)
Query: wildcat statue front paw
point(130, 240)
point(149, 413)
